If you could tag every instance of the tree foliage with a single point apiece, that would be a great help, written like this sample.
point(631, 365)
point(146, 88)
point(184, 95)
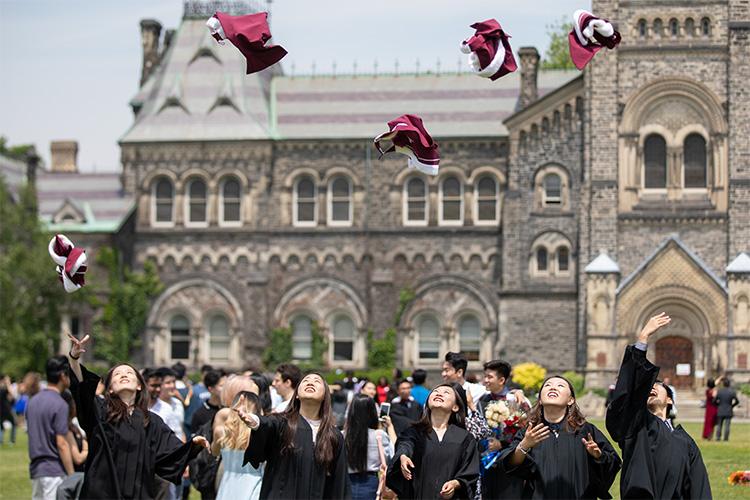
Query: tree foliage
point(30, 293)
point(529, 376)
point(382, 352)
point(18, 151)
point(279, 348)
point(557, 55)
point(125, 311)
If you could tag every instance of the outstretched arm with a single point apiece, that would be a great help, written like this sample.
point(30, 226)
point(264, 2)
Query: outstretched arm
point(77, 348)
point(634, 382)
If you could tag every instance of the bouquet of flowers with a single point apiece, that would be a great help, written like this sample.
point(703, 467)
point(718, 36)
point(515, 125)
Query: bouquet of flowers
point(740, 477)
point(504, 419)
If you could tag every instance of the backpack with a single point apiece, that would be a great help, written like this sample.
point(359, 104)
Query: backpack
point(204, 467)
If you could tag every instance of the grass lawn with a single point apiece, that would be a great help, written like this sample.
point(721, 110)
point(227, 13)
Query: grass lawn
point(721, 459)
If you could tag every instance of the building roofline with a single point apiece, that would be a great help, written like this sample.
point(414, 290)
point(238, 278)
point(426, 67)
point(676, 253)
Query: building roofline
point(571, 87)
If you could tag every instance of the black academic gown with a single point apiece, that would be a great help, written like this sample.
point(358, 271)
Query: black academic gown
point(404, 413)
point(435, 463)
point(295, 475)
point(138, 453)
point(657, 462)
point(560, 466)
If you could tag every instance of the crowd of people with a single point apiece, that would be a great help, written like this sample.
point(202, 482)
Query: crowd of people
point(150, 433)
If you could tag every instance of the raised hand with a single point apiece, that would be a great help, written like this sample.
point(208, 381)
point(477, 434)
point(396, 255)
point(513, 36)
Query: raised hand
point(653, 325)
point(200, 441)
point(591, 447)
point(245, 416)
point(406, 466)
point(449, 489)
point(534, 435)
point(78, 347)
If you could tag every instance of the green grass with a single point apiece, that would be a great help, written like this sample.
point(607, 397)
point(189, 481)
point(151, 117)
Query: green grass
point(721, 458)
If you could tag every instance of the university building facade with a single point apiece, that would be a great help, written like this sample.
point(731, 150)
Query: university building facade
point(569, 208)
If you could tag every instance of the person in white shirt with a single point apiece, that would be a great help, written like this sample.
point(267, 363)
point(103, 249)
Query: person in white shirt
point(454, 371)
point(285, 381)
point(171, 411)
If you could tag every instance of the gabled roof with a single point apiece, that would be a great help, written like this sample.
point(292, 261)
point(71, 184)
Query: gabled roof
point(602, 264)
point(740, 264)
point(571, 87)
point(677, 242)
point(451, 105)
point(97, 199)
point(200, 92)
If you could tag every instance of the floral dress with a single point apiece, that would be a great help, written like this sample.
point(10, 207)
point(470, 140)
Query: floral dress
point(477, 426)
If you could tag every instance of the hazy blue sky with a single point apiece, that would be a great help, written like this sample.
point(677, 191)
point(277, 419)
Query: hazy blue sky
point(69, 67)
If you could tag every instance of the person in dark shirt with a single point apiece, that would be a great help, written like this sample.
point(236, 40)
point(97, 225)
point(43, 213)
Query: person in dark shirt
point(726, 400)
point(214, 381)
point(404, 410)
point(658, 460)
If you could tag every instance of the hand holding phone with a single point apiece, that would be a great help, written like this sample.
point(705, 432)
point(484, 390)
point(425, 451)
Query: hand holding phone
point(385, 410)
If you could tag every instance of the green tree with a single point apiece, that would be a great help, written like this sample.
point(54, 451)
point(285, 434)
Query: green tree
point(18, 152)
point(279, 348)
point(30, 293)
point(557, 55)
point(125, 311)
point(382, 352)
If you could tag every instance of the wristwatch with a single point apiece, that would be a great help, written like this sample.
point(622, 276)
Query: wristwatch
point(523, 450)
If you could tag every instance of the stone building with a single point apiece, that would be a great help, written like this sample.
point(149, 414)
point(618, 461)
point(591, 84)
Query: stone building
point(569, 207)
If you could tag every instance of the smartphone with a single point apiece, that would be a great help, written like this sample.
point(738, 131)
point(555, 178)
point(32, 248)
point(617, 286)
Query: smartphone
point(385, 410)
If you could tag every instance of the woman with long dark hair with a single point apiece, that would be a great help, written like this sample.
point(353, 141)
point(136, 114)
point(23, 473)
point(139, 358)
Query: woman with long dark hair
point(436, 457)
point(304, 451)
point(364, 441)
point(128, 445)
point(560, 454)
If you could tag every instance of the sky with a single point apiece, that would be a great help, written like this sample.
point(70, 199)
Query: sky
point(69, 68)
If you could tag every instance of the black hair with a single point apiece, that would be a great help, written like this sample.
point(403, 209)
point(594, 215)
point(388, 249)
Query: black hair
point(710, 383)
point(362, 416)
point(419, 376)
point(264, 392)
point(206, 368)
point(726, 382)
point(165, 371)
point(398, 384)
point(149, 373)
point(670, 395)
point(179, 370)
point(211, 378)
point(502, 368)
point(55, 367)
point(457, 361)
point(291, 372)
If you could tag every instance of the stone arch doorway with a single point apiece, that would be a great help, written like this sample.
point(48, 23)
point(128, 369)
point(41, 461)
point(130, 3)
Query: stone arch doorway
point(671, 351)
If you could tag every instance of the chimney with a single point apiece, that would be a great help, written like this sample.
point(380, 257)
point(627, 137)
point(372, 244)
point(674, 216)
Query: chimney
point(150, 32)
point(32, 165)
point(64, 156)
point(168, 37)
point(529, 69)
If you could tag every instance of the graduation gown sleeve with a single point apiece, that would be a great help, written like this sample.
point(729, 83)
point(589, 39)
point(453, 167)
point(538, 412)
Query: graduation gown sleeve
point(698, 484)
point(406, 445)
point(468, 468)
point(171, 456)
point(265, 440)
point(527, 469)
point(627, 411)
point(602, 471)
point(337, 482)
point(84, 395)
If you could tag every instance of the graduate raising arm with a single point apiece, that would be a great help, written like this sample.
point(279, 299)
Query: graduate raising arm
point(128, 445)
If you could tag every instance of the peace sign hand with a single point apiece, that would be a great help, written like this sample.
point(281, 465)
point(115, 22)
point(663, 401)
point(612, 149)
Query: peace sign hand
point(591, 447)
point(78, 347)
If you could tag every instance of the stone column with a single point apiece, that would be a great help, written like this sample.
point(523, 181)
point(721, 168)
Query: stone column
point(738, 345)
point(602, 278)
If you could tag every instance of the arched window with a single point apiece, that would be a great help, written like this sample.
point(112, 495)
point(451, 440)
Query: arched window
point(706, 26)
point(339, 202)
point(302, 337)
point(415, 211)
point(562, 259)
point(196, 202)
point(655, 161)
point(658, 28)
point(429, 338)
point(541, 260)
point(689, 27)
point(179, 337)
point(642, 28)
point(694, 158)
point(163, 196)
point(305, 202)
point(451, 201)
point(230, 202)
point(343, 339)
point(218, 338)
point(674, 28)
point(486, 200)
point(552, 190)
point(470, 337)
